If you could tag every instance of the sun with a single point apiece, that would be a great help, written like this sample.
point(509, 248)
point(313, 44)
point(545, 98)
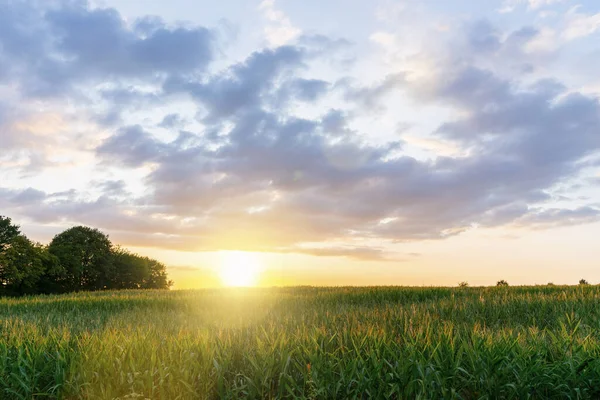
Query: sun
point(240, 268)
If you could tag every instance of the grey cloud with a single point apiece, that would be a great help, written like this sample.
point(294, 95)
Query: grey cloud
point(358, 253)
point(298, 90)
point(546, 218)
point(132, 146)
point(99, 41)
point(370, 98)
point(259, 177)
point(308, 89)
point(54, 47)
point(112, 188)
point(28, 196)
point(242, 86)
point(343, 189)
point(483, 37)
point(171, 121)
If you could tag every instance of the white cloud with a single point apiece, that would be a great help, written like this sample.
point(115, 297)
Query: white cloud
point(545, 41)
point(510, 5)
point(280, 29)
point(580, 25)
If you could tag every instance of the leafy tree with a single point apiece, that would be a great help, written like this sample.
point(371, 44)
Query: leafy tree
point(8, 232)
point(79, 258)
point(22, 266)
point(86, 255)
point(463, 284)
point(131, 270)
point(583, 282)
point(502, 283)
point(158, 278)
point(54, 274)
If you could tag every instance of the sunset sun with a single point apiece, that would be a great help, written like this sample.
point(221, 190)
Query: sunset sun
point(239, 268)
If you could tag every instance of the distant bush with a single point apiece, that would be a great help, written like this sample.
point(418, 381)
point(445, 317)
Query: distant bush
point(583, 282)
point(463, 284)
point(78, 259)
point(502, 283)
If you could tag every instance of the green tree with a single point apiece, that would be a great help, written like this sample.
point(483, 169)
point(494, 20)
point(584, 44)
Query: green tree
point(158, 278)
point(22, 266)
point(86, 255)
point(131, 270)
point(8, 231)
point(502, 283)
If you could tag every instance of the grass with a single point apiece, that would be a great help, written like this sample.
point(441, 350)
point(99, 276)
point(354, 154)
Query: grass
point(313, 343)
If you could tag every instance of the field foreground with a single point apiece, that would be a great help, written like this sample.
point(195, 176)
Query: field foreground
point(324, 343)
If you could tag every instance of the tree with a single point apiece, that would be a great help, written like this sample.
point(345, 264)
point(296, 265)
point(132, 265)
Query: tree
point(79, 258)
point(158, 278)
point(8, 232)
point(502, 283)
point(85, 254)
point(22, 266)
point(583, 282)
point(463, 284)
point(131, 270)
point(52, 281)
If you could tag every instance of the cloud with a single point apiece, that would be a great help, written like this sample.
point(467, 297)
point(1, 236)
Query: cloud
point(511, 5)
point(525, 140)
point(133, 145)
point(51, 50)
point(242, 86)
point(279, 30)
point(171, 121)
point(362, 253)
point(547, 218)
point(268, 161)
point(579, 25)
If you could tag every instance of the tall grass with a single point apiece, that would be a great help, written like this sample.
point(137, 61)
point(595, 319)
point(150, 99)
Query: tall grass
point(313, 343)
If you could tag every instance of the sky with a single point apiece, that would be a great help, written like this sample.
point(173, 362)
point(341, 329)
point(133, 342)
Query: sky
point(339, 142)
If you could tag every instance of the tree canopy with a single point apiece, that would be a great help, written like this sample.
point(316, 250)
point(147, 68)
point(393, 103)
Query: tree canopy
point(78, 259)
point(8, 232)
point(85, 254)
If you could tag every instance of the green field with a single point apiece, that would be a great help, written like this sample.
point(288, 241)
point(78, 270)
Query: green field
point(323, 343)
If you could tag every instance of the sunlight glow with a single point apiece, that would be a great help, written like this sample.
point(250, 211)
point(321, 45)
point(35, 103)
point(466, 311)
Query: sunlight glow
point(239, 268)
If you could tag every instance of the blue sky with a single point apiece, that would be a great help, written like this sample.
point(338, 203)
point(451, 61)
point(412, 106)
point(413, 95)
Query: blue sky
point(384, 138)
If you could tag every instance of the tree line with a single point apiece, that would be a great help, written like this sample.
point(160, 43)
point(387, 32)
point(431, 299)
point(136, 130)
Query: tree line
point(78, 259)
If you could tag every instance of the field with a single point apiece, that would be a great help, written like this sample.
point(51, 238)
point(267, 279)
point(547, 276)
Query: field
point(322, 343)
